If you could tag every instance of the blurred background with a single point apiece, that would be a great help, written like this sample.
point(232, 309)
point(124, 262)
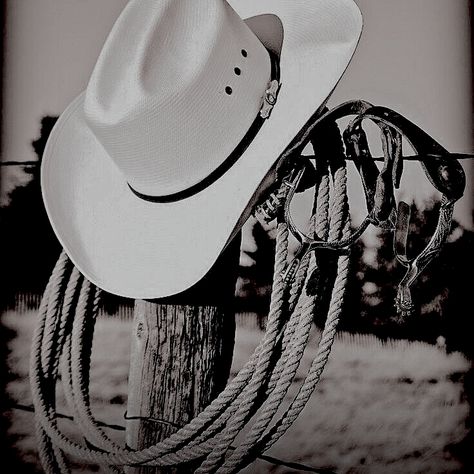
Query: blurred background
point(396, 397)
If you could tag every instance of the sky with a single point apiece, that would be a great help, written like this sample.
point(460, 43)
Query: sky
point(414, 56)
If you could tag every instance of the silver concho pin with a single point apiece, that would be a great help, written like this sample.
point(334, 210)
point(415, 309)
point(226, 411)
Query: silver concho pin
point(269, 99)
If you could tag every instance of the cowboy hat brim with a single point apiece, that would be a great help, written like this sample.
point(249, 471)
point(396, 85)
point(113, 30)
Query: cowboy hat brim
point(139, 249)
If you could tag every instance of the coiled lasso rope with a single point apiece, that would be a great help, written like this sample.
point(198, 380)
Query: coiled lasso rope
point(62, 351)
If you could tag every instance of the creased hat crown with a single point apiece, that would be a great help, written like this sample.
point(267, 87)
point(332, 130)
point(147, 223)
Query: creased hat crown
point(176, 86)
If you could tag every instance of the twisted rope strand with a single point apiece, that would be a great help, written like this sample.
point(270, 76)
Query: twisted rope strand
point(247, 451)
point(296, 337)
point(325, 345)
point(251, 392)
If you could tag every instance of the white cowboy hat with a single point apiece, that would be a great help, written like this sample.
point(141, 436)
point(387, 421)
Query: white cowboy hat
point(146, 174)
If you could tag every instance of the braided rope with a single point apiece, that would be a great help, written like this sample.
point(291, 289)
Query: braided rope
point(66, 322)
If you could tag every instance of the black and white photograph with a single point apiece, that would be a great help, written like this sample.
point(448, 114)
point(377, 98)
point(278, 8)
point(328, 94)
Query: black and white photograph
point(237, 236)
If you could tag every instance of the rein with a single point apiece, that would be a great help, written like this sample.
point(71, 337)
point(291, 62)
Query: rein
point(62, 341)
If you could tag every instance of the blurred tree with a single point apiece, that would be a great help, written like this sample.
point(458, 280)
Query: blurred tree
point(256, 279)
point(354, 317)
point(29, 247)
point(264, 257)
point(453, 274)
point(441, 295)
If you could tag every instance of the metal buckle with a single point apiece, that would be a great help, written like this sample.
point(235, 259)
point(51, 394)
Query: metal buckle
point(269, 98)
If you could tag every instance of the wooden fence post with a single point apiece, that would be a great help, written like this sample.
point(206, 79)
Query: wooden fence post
point(181, 356)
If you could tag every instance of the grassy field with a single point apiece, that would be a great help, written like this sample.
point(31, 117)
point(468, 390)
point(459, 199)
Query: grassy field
point(380, 408)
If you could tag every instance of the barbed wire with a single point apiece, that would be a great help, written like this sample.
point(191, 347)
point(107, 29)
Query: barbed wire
point(31, 409)
point(270, 459)
point(20, 163)
point(454, 156)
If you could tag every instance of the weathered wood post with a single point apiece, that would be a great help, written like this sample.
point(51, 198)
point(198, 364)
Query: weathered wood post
point(181, 355)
